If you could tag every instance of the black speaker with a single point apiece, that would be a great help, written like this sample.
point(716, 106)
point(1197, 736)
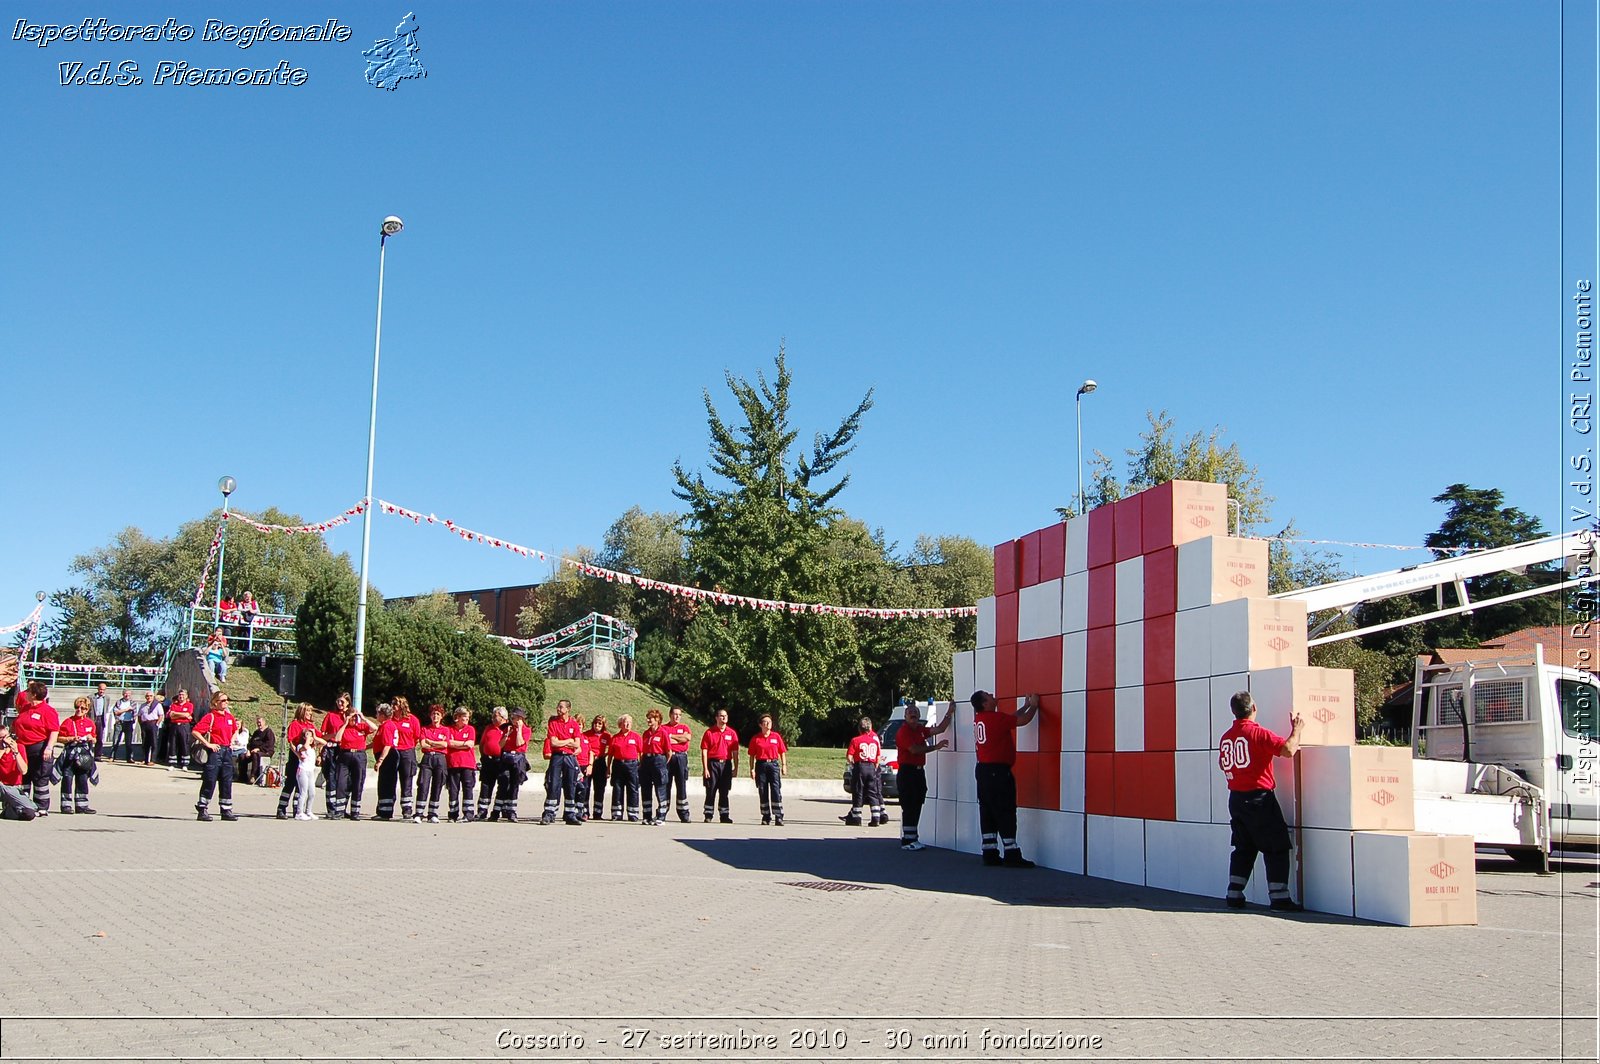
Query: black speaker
point(286, 678)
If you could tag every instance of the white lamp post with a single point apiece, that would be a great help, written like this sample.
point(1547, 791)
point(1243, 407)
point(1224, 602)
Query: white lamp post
point(391, 226)
point(1087, 387)
point(226, 485)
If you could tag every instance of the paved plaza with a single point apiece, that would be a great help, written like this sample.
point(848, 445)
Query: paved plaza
point(140, 934)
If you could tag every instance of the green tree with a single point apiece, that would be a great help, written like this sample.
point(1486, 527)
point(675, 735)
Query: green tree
point(441, 605)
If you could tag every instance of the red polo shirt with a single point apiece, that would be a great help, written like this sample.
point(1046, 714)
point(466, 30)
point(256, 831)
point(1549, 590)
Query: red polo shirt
point(909, 742)
point(864, 748)
point(458, 758)
point(408, 730)
point(516, 738)
point(10, 772)
point(217, 726)
point(34, 724)
point(679, 735)
point(1245, 756)
point(77, 728)
point(994, 733)
point(436, 733)
point(492, 740)
point(656, 741)
point(626, 746)
point(767, 747)
point(355, 734)
point(180, 712)
point(720, 744)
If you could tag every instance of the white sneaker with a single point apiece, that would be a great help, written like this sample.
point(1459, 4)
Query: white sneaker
point(416, 820)
point(302, 816)
point(913, 846)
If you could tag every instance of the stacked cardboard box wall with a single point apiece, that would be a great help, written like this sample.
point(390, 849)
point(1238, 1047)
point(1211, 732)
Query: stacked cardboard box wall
point(1136, 623)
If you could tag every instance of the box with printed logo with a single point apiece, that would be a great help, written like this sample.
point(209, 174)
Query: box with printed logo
point(1325, 699)
point(1356, 788)
point(1249, 634)
point(1221, 569)
point(1415, 880)
point(1181, 510)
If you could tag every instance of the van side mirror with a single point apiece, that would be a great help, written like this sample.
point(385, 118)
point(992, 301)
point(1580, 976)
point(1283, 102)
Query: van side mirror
point(1564, 762)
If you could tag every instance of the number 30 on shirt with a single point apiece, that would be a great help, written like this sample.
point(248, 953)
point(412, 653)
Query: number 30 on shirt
point(1234, 753)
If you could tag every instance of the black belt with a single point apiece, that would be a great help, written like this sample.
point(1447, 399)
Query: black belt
point(627, 761)
point(718, 760)
point(766, 761)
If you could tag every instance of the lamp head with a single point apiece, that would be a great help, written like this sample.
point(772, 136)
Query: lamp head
point(392, 225)
point(226, 485)
point(38, 596)
point(1088, 386)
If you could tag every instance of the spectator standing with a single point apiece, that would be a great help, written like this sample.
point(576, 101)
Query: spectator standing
point(151, 712)
point(299, 728)
point(624, 751)
point(239, 749)
point(101, 710)
point(215, 732)
point(994, 735)
point(263, 744)
point(515, 747)
point(866, 786)
point(653, 767)
point(913, 743)
point(491, 767)
point(180, 714)
point(719, 764)
point(76, 762)
point(435, 765)
point(228, 614)
point(1245, 755)
point(14, 804)
point(679, 735)
point(769, 763)
point(37, 727)
point(124, 714)
point(248, 610)
point(462, 760)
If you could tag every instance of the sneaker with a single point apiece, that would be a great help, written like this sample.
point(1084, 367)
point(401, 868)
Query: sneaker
point(416, 820)
point(282, 815)
point(1014, 859)
point(433, 819)
point(353, 816)
point(548, 818)
point(509, 818)
point(302, 816)
point(912, 846)
point(66, 812)
point(708, 818)
point(1287, 905)
point(1234, 903)
point(766, 822)
point(778, 822)
point(851, 821)
point(575, 822)
point(230, 816)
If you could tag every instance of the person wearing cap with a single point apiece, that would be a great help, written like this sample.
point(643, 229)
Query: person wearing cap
point(492, 766)
point(562, 744)
point(214, 731)
point(653, 767)
point(913, 742)
point(679, 736)
point(514, 748)
point(434, 768)
point(37, 728)
point(866, 786)
point(1245, 755)
point(626, 748)
point(79, 736)
point(994, 735)
point(719, 764)
point(463, 761)
point(769, 761)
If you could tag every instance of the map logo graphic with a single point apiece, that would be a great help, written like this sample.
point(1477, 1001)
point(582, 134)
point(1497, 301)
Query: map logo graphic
point(392, 61)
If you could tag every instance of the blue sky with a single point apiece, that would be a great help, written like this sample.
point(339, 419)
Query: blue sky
point(1331, 228)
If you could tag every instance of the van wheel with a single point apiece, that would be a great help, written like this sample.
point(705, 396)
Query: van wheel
point(1530, 859)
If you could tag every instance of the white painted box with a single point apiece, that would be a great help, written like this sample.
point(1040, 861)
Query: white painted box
point(1249, 634)
point(1039, 611)
point(1074, 720)
point(1193, 708)
point(1072, 769)
point(983, 669)
point(964, 669)
point(1327, 872)
point(1078, 544)
point(1130, 590)
point(1415, 880)
point(1127, 850)
point(1191, 644)
point(1221, 569)
point(1099, 845)
point(1196, 779)
point(1129, 703)
point(1163, 855)
point(1075, 602)
point(1361, 788)
point(1074, 661)
point(986, 622)
point(1130, 654)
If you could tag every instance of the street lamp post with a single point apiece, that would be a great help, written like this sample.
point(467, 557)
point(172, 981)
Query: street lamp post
point(226, 485)
point(38, 596)
point(1087, 387)
point(391, 226)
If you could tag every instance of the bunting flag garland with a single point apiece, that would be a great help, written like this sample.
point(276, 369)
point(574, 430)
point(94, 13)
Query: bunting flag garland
point(30, 619)
point(317, 528)
point(1365, 546)
point(465, 533)
point(205, 571)
point(629, 634)
point(51, 666)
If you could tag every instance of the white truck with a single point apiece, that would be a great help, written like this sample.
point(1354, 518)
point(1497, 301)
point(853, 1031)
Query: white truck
point(1506, 745)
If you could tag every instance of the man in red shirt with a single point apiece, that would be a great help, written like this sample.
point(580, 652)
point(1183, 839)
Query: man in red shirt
point(679, 736)
point(215, 732)
point(514, 749)
point(492, 766)
point(769, 761)
point(14, 805)
point(866, 786)
point(1245, 756)
point(463, 762)
point(435, 766)
point(383, 750)
point(37, 728)
point(563, 743)
point(180, 731)
point(994, 734)
point(351, 737)
point(913, 743)
point(719, 764)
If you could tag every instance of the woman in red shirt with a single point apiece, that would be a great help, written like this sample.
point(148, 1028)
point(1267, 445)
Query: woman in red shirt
point(294, 737)
point(627, 746)
point(653, 768)
point(463, 760)
point(593, 782)
point(435, 767)
point(37, 729)
point(77, 757)
point(514, 745)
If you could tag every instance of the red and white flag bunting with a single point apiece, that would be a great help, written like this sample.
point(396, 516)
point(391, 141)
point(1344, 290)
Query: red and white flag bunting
point(26, 622)
point(628, 636)
point(51, 666)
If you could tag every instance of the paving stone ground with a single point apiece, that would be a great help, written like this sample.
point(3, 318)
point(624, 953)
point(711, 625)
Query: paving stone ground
point(140, 934)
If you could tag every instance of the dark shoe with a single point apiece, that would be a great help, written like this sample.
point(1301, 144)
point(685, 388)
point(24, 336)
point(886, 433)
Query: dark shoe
point(204, 815)
point(778, 822)
point(766, 822)
point(510, 818)
point(353, 816)
point(708, 818)
point(575, 822)
point(548, 818)
point(1234, 903)
point(684, 818)
point(282, 816)
point(230, 816)
point(727, 820)
point(86, 809)
point(990, 857)
point(875, 821)
point(1287, 905)
point(66, 812)
point(494, 816)
point(851, 821)
point(1014, 859)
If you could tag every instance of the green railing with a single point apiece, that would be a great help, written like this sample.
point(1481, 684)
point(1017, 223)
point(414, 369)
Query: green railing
point(115, 677)
point(597, 631)
point(271, 635)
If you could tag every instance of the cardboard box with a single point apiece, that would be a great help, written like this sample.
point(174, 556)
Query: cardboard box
point(1160, 716)
point(1223, 688)
point(1099, 844)
point(1005, 671)
point(934, 762)
point(1360, 788)
point(1099, 783)
point(1026, 735)
point(960, 771)
point(1039, 611)
point(1127, 521)
point(964, 671)
point(940, 786)
point(1160, 648)
point(1327, 874)
point(1182, 510)
point(1203, 859)
point(1194, 714)
point(1100, 664)
point(968, 838)
point(1161, 582)
point(1100, 720)
point(982, 675)
point(1191, 644)
point(1073, 710)
point(1415, 880)
point(1075, 661)
point(937, 827)
point(1072, 782)
point(1039, 664)
point(1028, 560)
point(1130, 718)
point(1221, 569)
point(1163, 855)
point(1250, 634)
point(1006, 567)
point(1052, 551)
point(1130, 654)
point(1059, 841)
point(986, 630)
point(1077, 545)
point(1103, 596)
point(1196, 778)
point(1075, 602)
point(1102, 536)
point(1325, 698)
point(1006, 608)
point(1130, 590)
point(1127, 853)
